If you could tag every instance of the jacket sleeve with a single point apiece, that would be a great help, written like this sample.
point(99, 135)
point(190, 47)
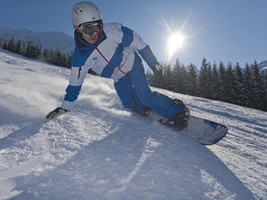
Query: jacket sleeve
point(131, 39)
point(77, 76)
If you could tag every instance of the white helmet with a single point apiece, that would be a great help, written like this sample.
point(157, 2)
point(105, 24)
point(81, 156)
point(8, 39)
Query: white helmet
point(84, 12)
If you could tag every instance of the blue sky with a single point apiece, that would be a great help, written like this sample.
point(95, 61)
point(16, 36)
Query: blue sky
point(219, 30)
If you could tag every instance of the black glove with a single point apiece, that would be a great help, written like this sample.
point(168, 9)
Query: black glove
point(56, 113)
point(157, 70)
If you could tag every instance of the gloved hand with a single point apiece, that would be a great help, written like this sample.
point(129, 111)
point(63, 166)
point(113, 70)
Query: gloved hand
point(157, 69)
point(56, 113)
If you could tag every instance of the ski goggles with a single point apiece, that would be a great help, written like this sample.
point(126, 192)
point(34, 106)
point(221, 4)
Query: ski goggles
point(90, 28)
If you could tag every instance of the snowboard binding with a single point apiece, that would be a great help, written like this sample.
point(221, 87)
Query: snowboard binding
point(180, 120)
point(144, 112)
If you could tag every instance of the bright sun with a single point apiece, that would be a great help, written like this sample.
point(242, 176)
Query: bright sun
point(176, 42)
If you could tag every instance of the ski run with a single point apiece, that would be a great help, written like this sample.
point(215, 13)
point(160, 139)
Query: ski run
point(102, 151)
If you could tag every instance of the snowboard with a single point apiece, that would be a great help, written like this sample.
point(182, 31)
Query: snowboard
point(201, 130)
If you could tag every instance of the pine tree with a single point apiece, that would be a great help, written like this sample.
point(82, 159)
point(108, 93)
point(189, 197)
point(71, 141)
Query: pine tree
point(65, 60)
point(19, 48)
point(175, 76)
point(4, 45)
point(222, 82)
point(53, 57)
point(229, 84)
point(240, 97)
point(184, 80)
point(209, 75)
point(33, 51)
point(11, 45)
point(23, 49)
point(258, 98)
point(46, 55)
point(204, 79)
point(39, 51)
point(157, 79)
point(180, 78)
point(192, 80)
point(248, 86)
point(149, 76)
point(265, 91)
point(167, 73)
point(29, 50)
point(59, 58)
point(214, 82)
point(69, 61)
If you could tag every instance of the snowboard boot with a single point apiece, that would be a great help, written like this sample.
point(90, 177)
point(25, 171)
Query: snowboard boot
point(180, 120)
point(144, 112)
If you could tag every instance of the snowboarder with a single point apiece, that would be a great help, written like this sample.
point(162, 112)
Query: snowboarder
point(114, 51)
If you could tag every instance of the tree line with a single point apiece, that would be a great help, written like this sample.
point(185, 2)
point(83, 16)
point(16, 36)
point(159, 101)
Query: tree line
point(231, 83)
point(34, 51)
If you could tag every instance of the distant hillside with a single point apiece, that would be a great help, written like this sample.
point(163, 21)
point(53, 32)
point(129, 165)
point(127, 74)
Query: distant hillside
point(262, 64)
point(49, 40)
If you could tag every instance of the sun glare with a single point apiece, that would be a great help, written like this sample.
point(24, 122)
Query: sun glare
point(176, 42)
point(174, 36)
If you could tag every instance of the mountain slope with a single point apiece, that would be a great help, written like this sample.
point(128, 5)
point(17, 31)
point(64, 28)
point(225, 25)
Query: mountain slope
point(49, 40)
point(101, 151)
point(262, 64)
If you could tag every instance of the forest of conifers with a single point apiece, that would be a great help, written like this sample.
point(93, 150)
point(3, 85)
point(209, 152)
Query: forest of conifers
point(241, 85)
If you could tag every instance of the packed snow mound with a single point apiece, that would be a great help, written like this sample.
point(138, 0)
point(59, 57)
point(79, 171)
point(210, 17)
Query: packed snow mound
point(101, 151)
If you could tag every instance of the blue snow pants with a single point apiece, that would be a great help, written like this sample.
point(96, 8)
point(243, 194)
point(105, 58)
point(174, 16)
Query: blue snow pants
point(135, 93)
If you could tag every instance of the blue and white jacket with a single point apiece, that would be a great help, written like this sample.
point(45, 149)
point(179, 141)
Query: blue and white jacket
point(112, 56)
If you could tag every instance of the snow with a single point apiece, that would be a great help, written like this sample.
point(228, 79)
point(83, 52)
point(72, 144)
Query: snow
point(262, 64)
point(102, 151)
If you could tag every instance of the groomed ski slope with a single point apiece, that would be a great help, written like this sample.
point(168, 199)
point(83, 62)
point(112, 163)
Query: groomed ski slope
point(101, 151)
